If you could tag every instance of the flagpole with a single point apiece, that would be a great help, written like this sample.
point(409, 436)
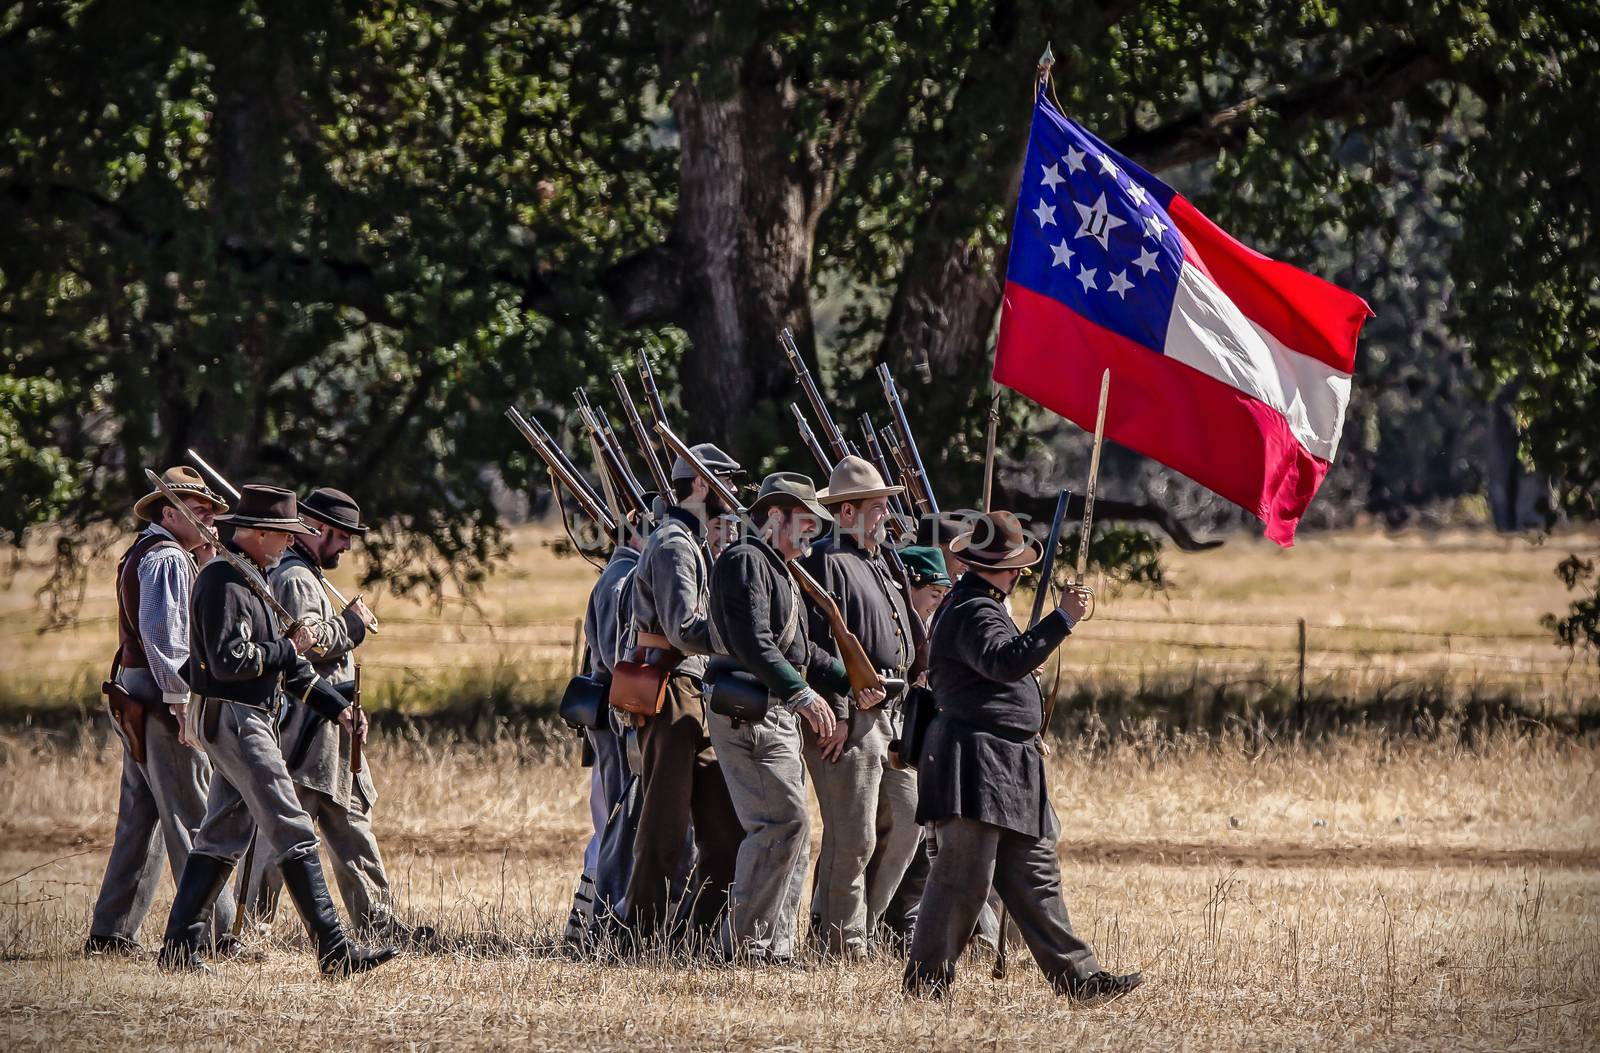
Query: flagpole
point(1041, 78)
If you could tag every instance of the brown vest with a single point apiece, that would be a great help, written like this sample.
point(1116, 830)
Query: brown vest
point(130, 645)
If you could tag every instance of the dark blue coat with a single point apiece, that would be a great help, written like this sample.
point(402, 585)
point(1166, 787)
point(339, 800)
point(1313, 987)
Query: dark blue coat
point(980, 759)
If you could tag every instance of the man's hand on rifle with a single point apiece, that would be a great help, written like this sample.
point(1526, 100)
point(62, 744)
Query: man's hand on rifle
point(868, 697)
point(303, 639)
point(354, 720)
point(818, 714)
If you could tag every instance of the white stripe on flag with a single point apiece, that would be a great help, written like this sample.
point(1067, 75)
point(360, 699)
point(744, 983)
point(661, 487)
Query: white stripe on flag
point(1208, 332)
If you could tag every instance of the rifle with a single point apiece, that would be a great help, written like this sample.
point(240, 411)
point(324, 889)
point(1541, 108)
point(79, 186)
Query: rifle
point(916, 475)
point(875, 454)
point(652, 394)
point(216, 479)
point(252, 577)
point(819, 408)
point(808, 438)
point(355, 724)
point(641, 436)
point(858, 666)
point(561, 470)
point(609, 455)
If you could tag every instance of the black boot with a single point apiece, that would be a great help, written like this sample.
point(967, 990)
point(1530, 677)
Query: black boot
point(189, 924)
point(1099, 988)
point(336, 954)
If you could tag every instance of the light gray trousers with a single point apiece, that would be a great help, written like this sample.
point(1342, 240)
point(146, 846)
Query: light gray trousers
point(858, 795)
point(967, 857)
point(357, 864)
point(251, 791)
point(766, 778)
point(167, 791)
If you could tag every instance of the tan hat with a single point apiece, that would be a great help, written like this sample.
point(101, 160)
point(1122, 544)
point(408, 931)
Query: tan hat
point(855, 479)
point(997, 542)
point(179, 480)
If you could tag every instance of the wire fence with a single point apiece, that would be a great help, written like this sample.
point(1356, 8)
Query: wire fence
point(1286, 653)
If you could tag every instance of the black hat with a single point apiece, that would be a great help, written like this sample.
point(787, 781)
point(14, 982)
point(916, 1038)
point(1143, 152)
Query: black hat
point(335, 508)
point(266, 508)
point(997, 542)
point(787, 488)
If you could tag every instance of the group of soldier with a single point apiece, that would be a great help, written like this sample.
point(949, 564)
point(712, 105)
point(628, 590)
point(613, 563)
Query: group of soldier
point(702, 835)
point(232, 693)
point(238, 729)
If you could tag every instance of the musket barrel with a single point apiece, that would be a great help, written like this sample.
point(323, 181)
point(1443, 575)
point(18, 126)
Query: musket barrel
point(562, 472)
point(808, 384)
point(641, 436)
point(897, 412)
point(214, 477)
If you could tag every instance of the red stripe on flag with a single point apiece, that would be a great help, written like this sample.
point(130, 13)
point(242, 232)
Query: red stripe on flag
point(1211, 432)
point(1309, 315)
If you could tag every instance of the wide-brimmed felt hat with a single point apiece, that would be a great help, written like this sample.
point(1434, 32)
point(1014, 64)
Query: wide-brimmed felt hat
point(712, 457)
point(997, 541)
point(267, 508)
point(924, 566)
point(335, 508)
point(787, 488)
point(855, 479)
point(181, 481)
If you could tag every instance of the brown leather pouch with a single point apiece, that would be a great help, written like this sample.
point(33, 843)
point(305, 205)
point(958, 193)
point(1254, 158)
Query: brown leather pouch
point(638, 687)
point(129, 713)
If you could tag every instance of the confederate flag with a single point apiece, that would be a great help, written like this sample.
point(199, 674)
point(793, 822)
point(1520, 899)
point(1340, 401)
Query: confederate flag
point(1227, 366)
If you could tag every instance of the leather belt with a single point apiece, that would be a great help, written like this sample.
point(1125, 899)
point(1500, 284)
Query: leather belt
point(656, 640)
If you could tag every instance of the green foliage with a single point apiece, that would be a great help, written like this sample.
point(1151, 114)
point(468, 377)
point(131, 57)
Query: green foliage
point(38, 479)
point(1579, 627)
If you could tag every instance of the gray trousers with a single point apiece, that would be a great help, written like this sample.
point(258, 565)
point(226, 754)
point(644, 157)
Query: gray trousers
point(898, 838)
point(357, 864)
point(608, 779)
point(850, 796)
point(767, 780)
point(967, 857)
point(251, 791)
point(167, 791)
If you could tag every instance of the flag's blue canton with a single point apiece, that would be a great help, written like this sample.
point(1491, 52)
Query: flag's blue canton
point(1092, 231)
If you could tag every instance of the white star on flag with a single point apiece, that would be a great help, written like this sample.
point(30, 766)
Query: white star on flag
point(1046, 214)
point(1137, 192)
point(1153, 227)
point(1052, 176)
point(1107, 165)
point(1098, 222)
point(1146, 261)
point(1086, 278)
point(1062, 254)
point(1074, 159)
point(1120, 284)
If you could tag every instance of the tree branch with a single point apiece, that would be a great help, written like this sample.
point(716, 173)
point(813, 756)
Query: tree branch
point(1380, 80)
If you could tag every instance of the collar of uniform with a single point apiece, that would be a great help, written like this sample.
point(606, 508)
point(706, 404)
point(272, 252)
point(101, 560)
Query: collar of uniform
point(847, 541)
point(971, 580)
point(233, 546)
point(297, 550)
point(159, 531)
point(687, 518)
point(761, 545)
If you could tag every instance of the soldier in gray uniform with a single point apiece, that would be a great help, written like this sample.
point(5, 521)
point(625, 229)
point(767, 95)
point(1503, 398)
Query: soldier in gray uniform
point(868, 809)
point(164, 785)
point(318, 752)
point(981, 776)
point(680, 782)
point(244, 670)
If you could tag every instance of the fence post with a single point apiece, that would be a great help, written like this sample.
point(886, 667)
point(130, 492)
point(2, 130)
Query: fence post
point(1300, 687)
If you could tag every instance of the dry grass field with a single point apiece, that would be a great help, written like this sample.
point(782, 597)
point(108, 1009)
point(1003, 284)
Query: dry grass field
point(1367, 890)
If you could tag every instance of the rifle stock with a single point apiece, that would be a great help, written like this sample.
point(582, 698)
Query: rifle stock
point(355, 737)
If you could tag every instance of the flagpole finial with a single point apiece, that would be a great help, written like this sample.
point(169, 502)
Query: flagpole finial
point(1048, 59)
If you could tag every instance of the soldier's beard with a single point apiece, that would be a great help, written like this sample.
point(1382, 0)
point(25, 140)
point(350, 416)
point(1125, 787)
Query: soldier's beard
point(329, 562)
